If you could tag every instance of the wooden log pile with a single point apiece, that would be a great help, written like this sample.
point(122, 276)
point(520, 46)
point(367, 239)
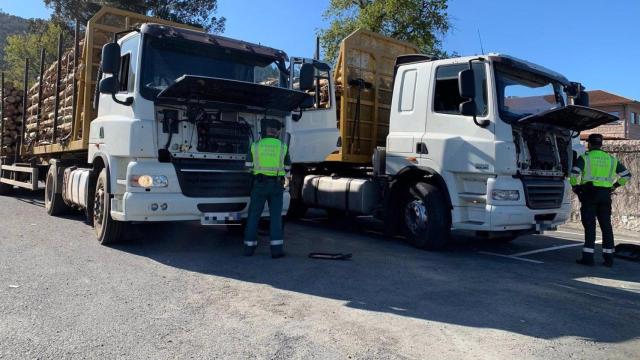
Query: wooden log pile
point(39, 130)
point(12, 118)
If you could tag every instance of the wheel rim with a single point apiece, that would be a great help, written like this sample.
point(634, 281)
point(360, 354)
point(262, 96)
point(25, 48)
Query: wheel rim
point(48, 191)
point(98, 206)
point(415, 216)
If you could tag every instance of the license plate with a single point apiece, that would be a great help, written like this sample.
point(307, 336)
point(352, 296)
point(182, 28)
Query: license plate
point(219, 218)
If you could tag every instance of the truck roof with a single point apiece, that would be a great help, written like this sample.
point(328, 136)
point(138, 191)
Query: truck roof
point(498, 58)
point(170, 32)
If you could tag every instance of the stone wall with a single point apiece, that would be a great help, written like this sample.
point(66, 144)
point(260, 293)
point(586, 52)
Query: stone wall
point(626, 199)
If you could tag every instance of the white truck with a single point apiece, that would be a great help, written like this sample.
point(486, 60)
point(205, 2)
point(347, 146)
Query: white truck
point(479, 143)
point(167, 135)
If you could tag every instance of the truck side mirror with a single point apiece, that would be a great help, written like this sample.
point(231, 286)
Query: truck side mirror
point(307, 74)
point(109, 85)
point(467, 90)
point(466, 84)
point(582, 99)
point(111, 58)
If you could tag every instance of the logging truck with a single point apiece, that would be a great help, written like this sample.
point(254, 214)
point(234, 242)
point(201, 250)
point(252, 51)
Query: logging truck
point(146, 120)
point(478, 143)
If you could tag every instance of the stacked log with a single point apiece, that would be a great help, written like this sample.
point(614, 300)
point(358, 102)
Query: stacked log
point(39, 130)
point(12, 120)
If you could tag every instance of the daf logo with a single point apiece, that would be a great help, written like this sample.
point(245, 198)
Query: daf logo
point(481, 166)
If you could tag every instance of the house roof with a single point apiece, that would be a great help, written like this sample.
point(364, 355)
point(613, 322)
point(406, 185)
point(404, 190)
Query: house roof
point(602, 98)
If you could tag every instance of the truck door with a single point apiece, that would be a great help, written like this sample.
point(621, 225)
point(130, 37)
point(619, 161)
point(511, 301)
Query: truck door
point(315, 135)
point(409, 114)
point(454, 142)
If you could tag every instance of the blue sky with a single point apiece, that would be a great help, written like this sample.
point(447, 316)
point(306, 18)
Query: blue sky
point(593, 41)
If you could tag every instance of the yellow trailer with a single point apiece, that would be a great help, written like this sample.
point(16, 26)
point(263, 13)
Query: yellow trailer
point(365, 70)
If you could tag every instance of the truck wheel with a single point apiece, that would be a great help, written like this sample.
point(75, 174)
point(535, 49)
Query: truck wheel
point(425, 219)
point(53, 203)
point(108, 231)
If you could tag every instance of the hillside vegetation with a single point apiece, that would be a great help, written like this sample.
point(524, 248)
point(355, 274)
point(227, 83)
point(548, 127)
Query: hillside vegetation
point(9, 25)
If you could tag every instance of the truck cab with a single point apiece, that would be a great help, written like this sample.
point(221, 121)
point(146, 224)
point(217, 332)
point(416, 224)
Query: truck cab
point(505, 160)
point(178, 110)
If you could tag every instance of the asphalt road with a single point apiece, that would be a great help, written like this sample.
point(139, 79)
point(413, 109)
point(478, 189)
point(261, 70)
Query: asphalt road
point(184, 291)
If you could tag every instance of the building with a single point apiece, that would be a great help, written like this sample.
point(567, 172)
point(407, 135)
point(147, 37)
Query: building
point(628, 127)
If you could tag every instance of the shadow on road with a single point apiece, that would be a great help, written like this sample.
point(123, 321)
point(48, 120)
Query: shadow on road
point(457, 286)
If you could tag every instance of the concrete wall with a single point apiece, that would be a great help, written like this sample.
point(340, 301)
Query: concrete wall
point(626, 201)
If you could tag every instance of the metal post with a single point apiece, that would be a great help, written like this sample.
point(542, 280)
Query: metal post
point(57, 101)
point(24, 110)
point(2, 114)
point(317, 77)
point(40, 85)
point(74, 97)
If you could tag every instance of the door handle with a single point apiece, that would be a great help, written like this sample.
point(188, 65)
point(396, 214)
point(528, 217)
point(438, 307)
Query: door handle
point(421, 148)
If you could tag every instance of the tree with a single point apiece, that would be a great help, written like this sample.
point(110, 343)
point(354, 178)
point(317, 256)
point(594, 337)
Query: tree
point(193, 12)
point(416, 21)
point(40, 34)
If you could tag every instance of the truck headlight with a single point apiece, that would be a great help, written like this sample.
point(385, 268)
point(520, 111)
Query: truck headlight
point(149, 181)
point(505, 195)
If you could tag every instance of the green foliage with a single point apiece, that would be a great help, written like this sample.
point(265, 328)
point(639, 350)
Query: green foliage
point(40, 34)
point(416, 21)
point(9, 25)
point(192, 12)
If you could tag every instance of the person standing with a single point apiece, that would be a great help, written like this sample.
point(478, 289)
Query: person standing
point(269, 161)
point(594, 176)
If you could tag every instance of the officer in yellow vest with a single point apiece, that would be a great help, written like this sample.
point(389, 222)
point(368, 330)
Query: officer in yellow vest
point(594, 177)
point(269, 161)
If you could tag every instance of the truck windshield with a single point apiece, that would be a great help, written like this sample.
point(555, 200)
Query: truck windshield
point(165, 60)
point(521, 93)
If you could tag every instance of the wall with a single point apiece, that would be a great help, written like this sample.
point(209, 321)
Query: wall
point(626, 199)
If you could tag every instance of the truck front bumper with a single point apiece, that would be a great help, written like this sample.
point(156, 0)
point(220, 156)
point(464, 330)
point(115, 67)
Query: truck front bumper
point(522, 218)
point(498, 218)
point(144, 207)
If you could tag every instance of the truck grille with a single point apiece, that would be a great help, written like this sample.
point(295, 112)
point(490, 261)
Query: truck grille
point(213, 178)
point(543, 193)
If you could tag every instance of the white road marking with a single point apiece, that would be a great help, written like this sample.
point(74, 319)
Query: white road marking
point(597, 236)
point(510, 257)
point(546, 249)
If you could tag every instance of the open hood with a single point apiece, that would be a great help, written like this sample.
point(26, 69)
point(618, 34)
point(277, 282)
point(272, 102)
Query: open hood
point(190, 87)
point(572, 117)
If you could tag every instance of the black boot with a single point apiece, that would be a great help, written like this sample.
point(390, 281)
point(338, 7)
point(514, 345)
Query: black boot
point(277, 251)
point(608, 260)
point(587, 259)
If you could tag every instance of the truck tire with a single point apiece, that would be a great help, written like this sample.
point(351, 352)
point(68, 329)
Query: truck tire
point(53, 203)
point(425, 218)
point(108, 231)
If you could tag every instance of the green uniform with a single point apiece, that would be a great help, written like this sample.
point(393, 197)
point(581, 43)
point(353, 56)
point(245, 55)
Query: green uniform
point(269, 162)
point(594, 175)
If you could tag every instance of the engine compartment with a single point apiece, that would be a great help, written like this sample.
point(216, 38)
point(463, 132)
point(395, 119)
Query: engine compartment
point(198, 132)
point(542, 150)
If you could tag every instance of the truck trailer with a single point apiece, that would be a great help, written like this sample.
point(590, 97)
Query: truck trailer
point(151, 121)
point(478, 143)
